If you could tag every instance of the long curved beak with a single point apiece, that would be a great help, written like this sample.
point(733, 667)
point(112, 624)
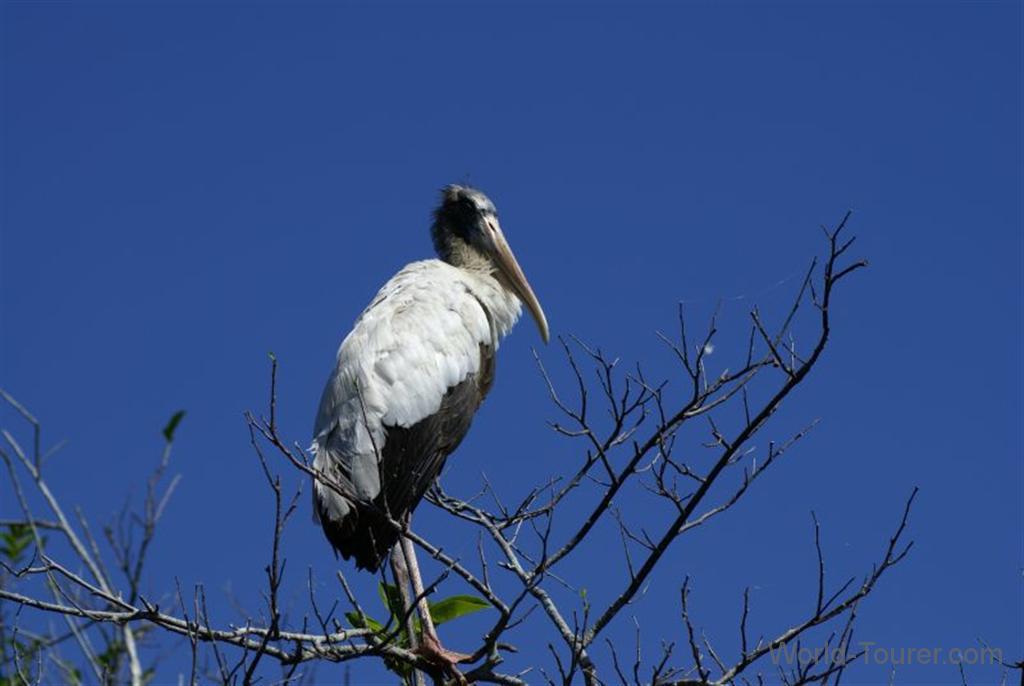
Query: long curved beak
point(510, 268)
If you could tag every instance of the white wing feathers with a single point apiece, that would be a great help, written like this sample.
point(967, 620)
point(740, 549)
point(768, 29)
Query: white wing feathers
point(420, 336)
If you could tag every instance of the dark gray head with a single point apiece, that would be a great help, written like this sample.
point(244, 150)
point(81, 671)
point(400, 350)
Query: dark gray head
point(461, 219)
point(466, 232)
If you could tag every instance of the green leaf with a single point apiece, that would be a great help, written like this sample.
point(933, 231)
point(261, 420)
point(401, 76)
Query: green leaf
point(364, 622)
point(357, 622)
point(392, 599)
point(172, 424)
point(456, 606)
point(15, 540)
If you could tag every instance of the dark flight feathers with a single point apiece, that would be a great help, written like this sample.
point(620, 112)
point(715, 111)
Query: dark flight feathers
point(411, 459)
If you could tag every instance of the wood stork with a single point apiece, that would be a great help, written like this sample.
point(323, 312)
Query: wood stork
point(410, 375)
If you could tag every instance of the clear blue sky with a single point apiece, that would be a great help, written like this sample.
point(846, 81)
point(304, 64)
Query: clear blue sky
point(186, 187)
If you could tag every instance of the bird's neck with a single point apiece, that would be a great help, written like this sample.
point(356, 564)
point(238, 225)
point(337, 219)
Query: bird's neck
point(489, 287)
point(464, 256)
point(486, 281)
point(459, 253)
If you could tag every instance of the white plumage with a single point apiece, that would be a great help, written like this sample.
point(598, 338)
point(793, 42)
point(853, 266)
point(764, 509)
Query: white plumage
point(411, 374)
point(419, 337)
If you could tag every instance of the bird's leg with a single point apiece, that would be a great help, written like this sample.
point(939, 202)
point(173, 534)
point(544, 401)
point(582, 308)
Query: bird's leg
point(423, 606)
point(431, 645)
point(401, 571)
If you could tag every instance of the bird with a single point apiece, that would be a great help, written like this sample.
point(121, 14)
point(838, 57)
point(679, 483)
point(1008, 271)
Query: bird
point(411, 374)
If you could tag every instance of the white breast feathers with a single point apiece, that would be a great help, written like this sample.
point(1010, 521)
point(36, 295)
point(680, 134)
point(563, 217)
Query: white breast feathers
point(420, 336)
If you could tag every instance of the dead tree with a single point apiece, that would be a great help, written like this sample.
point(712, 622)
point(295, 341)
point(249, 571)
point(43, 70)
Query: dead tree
point(632, 435)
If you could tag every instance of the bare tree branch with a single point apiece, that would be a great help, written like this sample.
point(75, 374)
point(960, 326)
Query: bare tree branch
point(635, 441)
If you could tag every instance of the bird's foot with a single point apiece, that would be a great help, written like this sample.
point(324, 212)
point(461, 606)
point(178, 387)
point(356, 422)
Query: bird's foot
point(445, 660)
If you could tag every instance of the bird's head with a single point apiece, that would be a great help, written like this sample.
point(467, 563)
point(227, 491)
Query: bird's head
point(467, 234)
